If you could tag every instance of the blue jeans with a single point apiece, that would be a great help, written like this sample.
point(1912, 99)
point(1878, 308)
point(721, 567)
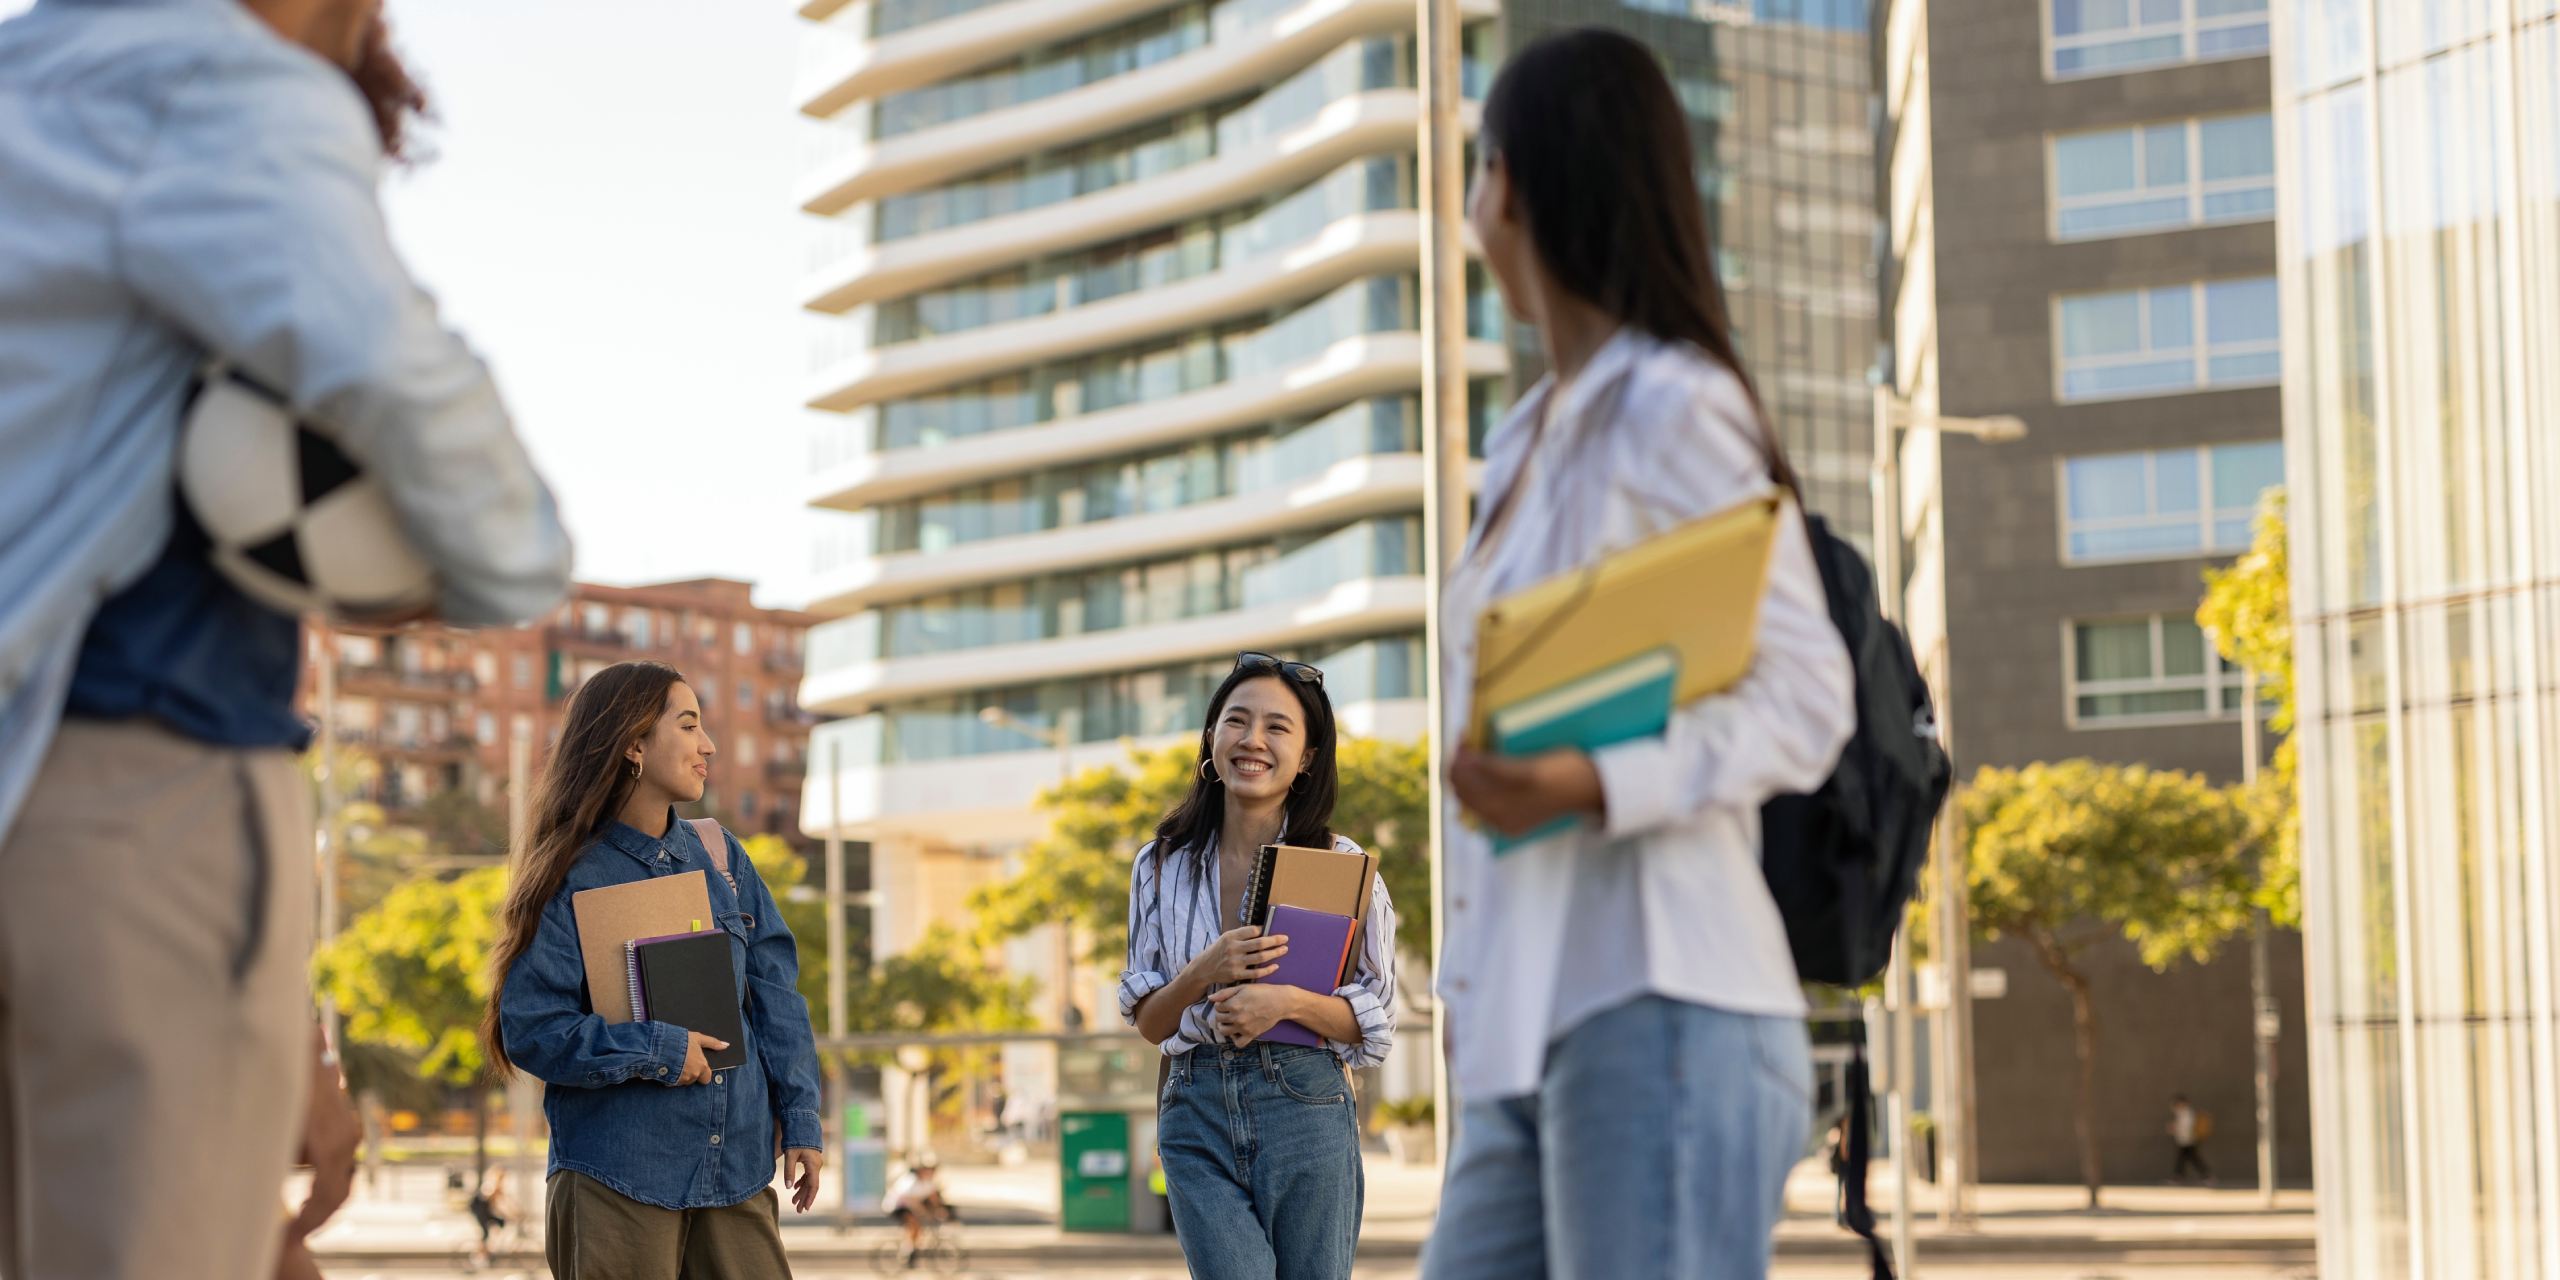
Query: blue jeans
point(1657, 1144)
point(1262, 1162)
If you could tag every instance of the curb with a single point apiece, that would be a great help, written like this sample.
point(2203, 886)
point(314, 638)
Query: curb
point(1141, 1250)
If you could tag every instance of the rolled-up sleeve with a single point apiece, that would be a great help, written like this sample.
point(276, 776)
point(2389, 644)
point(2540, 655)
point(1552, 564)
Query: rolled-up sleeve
point(1372, 989)
point(1781, 727)
point(1144, 973)
point(254, 225)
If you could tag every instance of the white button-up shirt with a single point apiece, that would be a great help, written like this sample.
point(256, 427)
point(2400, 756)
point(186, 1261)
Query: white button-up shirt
point(1668, 899)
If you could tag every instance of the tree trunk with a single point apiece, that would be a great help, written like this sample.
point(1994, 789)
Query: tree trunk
point(2084, 1044)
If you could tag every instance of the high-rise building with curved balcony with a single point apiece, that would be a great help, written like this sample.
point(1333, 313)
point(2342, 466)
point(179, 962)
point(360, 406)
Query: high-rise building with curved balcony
point(1118, 355)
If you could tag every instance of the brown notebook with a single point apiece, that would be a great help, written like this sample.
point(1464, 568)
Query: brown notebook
point(613, 915)
point(1326, 880)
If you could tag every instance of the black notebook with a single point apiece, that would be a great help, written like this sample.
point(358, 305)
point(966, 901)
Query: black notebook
point(692, 982)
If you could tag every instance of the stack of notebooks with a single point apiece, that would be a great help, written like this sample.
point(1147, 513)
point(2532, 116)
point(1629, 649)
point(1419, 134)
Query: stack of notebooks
point(1317, 898)
point(1600, 655)
point(649, 958)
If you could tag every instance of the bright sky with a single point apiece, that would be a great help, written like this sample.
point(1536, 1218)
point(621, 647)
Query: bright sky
point(608, 216)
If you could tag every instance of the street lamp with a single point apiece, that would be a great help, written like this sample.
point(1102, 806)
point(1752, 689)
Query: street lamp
point(1893, 416)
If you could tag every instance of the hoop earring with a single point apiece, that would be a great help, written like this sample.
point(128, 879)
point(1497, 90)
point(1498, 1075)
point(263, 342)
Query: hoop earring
point(1209, 773)
point(635, 771)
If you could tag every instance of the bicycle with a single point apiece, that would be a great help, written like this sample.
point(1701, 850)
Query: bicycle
point(940, 1251)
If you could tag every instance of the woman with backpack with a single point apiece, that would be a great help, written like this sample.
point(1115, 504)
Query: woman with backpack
point(1260, 1140)
point(1629, 1036)
point(662, 1165)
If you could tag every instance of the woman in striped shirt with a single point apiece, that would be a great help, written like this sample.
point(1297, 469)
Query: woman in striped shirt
point(1260, 1146)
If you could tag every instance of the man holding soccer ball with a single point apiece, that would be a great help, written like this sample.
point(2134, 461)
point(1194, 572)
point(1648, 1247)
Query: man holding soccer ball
point(193, 181)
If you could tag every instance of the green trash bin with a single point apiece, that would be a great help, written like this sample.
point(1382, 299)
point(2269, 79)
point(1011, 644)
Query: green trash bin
point(1093, 1171)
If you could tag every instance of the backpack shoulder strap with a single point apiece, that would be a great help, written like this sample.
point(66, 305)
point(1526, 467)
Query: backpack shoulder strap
point(714, 841)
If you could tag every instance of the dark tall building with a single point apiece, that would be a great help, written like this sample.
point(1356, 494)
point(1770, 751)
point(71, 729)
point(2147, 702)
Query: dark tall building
point(1777, 94)
point(2081, 221)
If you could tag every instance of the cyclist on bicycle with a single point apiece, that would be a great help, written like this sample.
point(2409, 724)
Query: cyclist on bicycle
point(916, 1199)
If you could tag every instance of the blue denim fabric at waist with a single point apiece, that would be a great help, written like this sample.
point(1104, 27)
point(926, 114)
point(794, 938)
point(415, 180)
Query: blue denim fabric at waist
point(186, 648)
point(616, 1114)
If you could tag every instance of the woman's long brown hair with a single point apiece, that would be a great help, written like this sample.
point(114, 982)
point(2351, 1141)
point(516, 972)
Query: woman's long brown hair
point(390, 93)
point(585, 784)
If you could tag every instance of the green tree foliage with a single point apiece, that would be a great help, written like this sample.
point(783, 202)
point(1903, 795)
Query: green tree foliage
point(412, 973)
point(1080, 872)
point(2064, 855)
point(2248, 610)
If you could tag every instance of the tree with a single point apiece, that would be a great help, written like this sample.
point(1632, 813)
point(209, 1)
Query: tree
point(2248, 610)
point(2063, 855)
point(1080, 872)
point(412, 974)
point(946, 982)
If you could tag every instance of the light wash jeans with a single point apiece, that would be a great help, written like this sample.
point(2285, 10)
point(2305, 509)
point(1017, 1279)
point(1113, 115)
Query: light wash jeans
point(1657, 1144)
point(1262, 1162)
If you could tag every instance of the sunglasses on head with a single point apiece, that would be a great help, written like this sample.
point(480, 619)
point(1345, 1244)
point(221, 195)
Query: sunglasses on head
point(1255, 660)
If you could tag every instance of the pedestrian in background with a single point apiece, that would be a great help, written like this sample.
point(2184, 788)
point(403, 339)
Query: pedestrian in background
point(185, 180)
point(1629, 1037)
point(661, 1166)
point(1260, 1142)
point(2188, 1128)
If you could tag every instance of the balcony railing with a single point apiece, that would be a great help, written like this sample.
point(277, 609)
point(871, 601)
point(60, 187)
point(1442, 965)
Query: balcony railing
point(363, 674)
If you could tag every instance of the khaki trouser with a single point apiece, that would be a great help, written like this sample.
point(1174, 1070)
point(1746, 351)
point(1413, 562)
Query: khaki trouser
point(155, 1018)
point(598, 1233)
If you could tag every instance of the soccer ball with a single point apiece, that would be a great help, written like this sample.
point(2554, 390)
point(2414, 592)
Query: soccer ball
point(293, 521)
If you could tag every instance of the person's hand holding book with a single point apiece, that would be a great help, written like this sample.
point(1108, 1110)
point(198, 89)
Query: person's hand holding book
point(697, 1068)
point(1515, 795)
point(1240, 954)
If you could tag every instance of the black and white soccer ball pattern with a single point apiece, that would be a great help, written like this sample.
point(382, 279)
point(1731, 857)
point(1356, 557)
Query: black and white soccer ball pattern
point(293, 521)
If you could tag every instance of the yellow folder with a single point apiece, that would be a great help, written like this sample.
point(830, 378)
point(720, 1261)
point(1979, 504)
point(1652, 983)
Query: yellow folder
point(1694, 589)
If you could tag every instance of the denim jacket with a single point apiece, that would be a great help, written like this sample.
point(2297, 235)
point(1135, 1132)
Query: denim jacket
point(616, 1113)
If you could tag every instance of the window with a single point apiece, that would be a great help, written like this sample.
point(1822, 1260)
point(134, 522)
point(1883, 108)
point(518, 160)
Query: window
point(2176, 502)
point(597, 619)
point(484, 669)
point(488, 729)
point(2190, 173)
point(2184, 337)
point(2154, 669)
point(747, 750)
point(746, 695)
point(636, 627)
point(524, 671)
point(707, 692)
point(2102, 37)
point(746, 639)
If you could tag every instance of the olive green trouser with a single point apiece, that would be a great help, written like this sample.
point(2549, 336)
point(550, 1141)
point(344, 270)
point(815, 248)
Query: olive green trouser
point(598, 1233)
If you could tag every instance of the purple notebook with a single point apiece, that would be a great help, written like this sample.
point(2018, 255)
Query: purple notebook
point(1319, 944)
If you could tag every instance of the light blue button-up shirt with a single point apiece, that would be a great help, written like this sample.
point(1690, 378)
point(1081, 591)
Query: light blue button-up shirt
point(180, 182)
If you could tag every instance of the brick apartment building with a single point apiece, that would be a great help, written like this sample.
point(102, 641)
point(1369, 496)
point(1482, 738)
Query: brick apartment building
point(437, 708)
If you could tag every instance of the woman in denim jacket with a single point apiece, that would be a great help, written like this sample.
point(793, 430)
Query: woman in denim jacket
point(661, 1166)
point(1261, 1151)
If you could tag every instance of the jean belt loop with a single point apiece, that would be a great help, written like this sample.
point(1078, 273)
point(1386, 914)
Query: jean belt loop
point(1270, 1064)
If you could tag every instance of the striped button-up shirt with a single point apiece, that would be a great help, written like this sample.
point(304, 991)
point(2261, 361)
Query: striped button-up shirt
point(1168, 928)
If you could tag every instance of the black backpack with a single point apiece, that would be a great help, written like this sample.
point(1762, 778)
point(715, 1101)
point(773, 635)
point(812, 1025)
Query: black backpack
point(1844, 860)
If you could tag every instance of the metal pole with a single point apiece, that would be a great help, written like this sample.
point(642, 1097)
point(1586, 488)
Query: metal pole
point(836, 942)
point(1065, 733)
point(1886, 478)
point(2263, 1015)
point(1444, 453)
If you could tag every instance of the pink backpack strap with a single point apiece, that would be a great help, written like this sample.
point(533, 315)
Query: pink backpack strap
point(716, 842)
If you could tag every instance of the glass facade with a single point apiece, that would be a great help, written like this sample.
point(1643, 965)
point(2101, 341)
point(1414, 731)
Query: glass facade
point(1778, 109)
point(2419, 157)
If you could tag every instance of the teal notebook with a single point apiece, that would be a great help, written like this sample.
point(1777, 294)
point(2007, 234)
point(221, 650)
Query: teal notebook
point(1614, 704)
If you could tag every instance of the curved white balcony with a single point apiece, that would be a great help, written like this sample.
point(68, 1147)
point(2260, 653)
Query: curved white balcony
point(1361, 245)
point(1372, 484)
point(878, 66)
point(987, 799)
point(1367, 124)
point(1259, 54)
point(1352, 608)
point(1351, 369)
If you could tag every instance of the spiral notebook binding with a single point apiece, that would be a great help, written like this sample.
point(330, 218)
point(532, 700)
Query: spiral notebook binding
point(631, 972)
